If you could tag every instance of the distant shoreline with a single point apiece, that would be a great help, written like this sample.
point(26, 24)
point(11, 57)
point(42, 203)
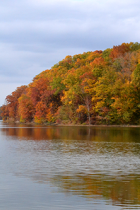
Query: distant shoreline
point(69, 125)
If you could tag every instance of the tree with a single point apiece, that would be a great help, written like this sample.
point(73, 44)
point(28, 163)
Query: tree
point(26, 109)
point(10, 110)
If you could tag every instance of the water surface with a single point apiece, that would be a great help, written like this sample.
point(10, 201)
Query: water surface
point(69, 167)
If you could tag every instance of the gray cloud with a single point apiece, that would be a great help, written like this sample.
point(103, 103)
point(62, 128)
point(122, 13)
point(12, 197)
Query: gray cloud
point(36, 34)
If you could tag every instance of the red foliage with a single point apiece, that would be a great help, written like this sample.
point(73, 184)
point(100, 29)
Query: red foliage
point(119, 50)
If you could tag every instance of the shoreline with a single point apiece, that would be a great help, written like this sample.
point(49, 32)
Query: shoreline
point(69, 124)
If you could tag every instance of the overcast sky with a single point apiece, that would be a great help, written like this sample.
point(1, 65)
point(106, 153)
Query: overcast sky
point(36, 34)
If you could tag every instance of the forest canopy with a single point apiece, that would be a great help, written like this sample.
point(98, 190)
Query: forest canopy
point(100, 87)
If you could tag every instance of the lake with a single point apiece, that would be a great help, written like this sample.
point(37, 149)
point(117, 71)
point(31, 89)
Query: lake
point(63, 168)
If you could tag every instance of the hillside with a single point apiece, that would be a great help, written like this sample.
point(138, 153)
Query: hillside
point(100, 87)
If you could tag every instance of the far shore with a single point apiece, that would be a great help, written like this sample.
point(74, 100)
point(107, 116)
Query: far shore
point(69, 124)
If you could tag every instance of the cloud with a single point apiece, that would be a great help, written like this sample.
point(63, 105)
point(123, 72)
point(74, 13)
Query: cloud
point(36, 34)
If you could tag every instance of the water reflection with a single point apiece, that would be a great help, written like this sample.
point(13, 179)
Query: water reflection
point(93, 162)
point(109, 134)
point(120, 190)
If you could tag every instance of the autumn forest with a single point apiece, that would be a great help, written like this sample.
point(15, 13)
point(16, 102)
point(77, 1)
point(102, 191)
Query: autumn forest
point(100, 87)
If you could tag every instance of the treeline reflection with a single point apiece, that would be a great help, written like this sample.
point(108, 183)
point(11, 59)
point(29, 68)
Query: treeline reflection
point(124, 190)
point(109, 134)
